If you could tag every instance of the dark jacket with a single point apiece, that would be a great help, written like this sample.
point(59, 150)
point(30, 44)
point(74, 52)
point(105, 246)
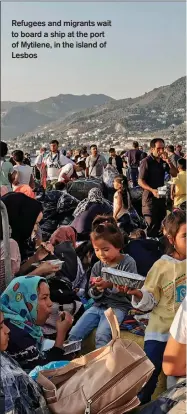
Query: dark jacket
point(119, 163)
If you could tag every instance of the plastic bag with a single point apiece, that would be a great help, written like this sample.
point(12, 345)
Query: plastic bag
point(66, 203)
point(52, 365)
point(109, 175)
point(81, 187)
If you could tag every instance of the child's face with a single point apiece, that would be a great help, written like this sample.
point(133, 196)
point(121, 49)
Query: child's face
point(4, 334)
point(117, 186)
point(180, 241)
point(105, 251)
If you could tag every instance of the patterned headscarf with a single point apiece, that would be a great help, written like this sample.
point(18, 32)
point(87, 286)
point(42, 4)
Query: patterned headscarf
point(19, 303)
point(94, 196)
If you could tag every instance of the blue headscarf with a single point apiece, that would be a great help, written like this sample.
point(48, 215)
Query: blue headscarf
point(19, 304)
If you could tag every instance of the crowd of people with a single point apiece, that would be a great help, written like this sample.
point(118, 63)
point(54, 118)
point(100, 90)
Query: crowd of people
point(57, 292)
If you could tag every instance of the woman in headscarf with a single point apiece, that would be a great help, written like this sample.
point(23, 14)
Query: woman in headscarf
point(23, 213)
point(18, 392)
point(63, 234)
point(87, 210)
point(26, 305)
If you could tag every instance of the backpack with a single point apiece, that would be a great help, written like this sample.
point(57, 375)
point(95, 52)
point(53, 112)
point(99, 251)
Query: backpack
point(172, 401)
point(109, 175)
point(105, 381)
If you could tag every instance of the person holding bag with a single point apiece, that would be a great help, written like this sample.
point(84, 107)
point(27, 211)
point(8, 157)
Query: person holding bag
point(95, 163)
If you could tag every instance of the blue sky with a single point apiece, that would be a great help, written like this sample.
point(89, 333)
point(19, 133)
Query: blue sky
point(145, 49)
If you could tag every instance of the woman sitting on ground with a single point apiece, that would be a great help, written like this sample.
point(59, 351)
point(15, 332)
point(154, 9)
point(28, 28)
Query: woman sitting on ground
point(24, 216)
point(18, 392)
point(26, 305)
point(87, 210)
point(63, 287)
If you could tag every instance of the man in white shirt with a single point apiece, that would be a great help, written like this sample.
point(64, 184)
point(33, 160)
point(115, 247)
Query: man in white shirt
point(22, 173)
point(54, 161)
point(70, 171)
point(174, 361)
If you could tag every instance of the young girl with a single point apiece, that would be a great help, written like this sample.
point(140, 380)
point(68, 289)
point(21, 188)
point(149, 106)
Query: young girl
point(122, 204)
point(107, 242)
point(121, 198)
point(163, 291)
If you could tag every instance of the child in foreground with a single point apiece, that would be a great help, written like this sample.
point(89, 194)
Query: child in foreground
point(107, 242)
point(163, 291)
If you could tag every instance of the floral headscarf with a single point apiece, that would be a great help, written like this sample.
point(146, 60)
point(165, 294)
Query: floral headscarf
point(19, 303)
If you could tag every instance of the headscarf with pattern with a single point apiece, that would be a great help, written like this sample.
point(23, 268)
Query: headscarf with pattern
point(19, 304)
point(94, 196)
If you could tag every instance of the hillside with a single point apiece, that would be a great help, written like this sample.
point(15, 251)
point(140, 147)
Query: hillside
point(22, 117)
point(104, 118)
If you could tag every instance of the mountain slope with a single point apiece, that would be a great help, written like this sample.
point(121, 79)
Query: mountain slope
point(153, 111)
point(19, 118)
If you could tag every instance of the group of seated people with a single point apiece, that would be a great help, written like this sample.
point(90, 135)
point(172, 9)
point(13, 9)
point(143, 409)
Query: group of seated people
point(46, 301)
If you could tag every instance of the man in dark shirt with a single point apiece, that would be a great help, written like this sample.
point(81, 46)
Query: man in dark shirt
point(178, 151)
point(134, 158)
point(115, 160)
point(151, 176)
point(171, 155)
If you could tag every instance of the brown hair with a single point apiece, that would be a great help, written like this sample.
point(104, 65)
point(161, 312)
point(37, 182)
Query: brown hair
point(108, 232)
point(171, 225)
point(138, 234)
point(121, 179)
point(103, 219)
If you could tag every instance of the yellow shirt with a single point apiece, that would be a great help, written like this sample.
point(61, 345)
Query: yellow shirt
point(180, 188)
point(166, 281)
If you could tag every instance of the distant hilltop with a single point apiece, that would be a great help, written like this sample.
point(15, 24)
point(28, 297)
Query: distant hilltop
point(96, 115)
point(21, 117)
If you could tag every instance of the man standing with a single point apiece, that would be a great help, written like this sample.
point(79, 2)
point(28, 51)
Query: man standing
point(95, 163)
point(54, 161)
point(151, 176)
point(173, 157)
point(115, 160)
point(39, 159)
point(178, 151)
point(134, 158)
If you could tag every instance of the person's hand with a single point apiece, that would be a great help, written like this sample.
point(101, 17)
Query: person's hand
point(64, 322)
point(43, 251)
point(155, 193)
point(47, 268)
point(125, 289)
point(101, 284)
point(165, 157)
